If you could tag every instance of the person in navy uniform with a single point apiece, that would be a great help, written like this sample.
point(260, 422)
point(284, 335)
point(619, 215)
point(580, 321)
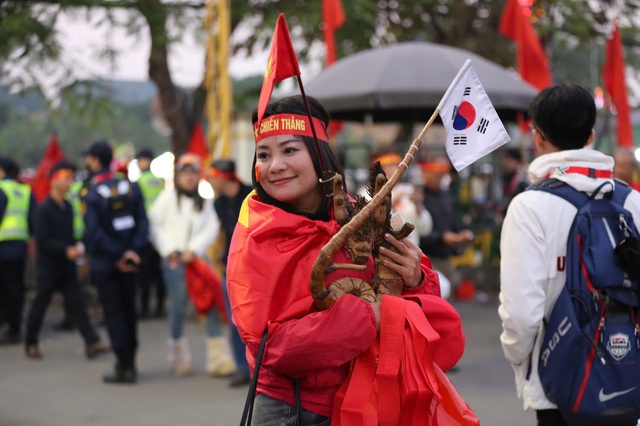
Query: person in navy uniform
point(116, 232)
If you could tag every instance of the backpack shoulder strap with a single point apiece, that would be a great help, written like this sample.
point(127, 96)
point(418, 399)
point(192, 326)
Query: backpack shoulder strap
point(620, 192)
point(562, 190)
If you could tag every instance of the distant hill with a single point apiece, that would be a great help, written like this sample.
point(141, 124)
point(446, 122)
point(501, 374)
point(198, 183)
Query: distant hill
point(126, 92)
point(25, 103)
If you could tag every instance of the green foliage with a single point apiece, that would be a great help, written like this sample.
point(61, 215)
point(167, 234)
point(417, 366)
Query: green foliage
point(468, 24)
point(78, 122)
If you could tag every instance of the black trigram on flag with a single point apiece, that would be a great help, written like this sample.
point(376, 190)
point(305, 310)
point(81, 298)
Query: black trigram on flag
point(455, 112)
point(467, 91)
point(460, 140)
point(482, 126)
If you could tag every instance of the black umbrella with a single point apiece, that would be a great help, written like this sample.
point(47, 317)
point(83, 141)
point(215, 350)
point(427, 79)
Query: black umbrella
point(406, 81)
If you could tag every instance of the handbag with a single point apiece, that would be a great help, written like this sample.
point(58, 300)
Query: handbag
point(247, 413)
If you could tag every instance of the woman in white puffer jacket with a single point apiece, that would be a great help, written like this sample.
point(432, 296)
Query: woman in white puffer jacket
point(183, 227)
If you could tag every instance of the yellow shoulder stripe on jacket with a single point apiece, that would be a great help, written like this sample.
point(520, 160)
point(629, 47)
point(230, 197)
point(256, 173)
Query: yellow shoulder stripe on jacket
point(243, 218)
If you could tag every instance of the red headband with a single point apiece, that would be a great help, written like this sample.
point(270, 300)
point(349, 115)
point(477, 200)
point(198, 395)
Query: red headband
point(215, 173)
point(62, 173)
point(388, 159)
point(436, 167)
point(288, 124)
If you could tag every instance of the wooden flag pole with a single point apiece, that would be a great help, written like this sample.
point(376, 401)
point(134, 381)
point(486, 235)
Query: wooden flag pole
point(340, 238)
point(313, 129)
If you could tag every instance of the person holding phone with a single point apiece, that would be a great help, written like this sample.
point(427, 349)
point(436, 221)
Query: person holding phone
point(116, 232)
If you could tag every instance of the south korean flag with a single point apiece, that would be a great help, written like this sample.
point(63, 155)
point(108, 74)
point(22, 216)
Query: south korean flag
point(472, 124)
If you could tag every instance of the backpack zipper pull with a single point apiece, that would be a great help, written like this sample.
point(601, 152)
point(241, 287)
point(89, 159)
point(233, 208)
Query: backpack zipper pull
point(623, 226)
point(600, 356)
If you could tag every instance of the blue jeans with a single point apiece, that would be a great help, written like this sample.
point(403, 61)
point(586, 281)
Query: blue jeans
point(272, 412)
point(177, 290)
point(239, 353)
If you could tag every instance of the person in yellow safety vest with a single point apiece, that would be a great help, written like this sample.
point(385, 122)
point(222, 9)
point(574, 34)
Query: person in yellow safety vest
point(17, 208)
point(74, 198)
point(150, 185)
point(150, 272)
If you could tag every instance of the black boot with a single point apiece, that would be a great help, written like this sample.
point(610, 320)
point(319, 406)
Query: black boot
point(121, 375)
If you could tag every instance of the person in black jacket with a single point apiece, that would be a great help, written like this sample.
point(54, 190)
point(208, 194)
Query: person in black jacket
point(442, 243)
point(116, 232)
point(55, 263)
point(230, 192)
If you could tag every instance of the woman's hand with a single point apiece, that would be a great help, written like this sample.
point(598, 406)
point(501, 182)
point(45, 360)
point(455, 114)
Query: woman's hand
point(173, 261)
point(406, 262)
point(188, 257)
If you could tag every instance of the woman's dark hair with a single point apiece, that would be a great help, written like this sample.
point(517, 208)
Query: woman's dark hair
point(198, 201)
point(565, 114)
point(295, 105)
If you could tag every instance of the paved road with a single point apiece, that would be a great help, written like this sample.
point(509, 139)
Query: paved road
point(64, 389)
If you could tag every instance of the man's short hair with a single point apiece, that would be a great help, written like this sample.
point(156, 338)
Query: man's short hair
point(10, 167)
point(565, 115)
point(145, 153)
point(513, 153)
point(101, 150)
point(224, 165)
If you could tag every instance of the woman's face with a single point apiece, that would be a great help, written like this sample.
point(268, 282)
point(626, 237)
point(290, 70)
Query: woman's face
point(187, 179)
point(286, 172)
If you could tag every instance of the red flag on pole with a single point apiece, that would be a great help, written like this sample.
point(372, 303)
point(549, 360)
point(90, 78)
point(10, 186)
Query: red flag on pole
point(52, 155)
point(197, 143)
point(615, 83)
point(333, 17)
point(283, 63)
point(532, 62)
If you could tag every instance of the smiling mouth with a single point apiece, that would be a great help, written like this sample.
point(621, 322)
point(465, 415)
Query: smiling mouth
point(281, 181)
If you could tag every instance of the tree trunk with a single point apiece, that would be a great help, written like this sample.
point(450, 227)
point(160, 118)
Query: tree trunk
point(173, 102)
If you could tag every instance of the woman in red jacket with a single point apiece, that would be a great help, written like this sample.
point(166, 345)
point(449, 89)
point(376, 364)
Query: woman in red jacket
point(282, 226)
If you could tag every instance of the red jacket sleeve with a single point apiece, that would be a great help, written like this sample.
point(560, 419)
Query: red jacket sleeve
point(322, 339)
point(430, 283)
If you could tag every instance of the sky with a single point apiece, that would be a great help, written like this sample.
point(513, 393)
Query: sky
point(81, 40)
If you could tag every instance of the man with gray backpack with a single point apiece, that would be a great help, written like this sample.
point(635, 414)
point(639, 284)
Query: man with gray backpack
point(570, 274)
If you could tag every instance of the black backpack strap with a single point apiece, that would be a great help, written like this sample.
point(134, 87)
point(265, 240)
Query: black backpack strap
point(562, 190)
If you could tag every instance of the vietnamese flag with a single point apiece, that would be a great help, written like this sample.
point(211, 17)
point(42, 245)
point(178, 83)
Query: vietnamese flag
point(333, 18)
point(615, 83)
point(531, 61)
point(197, 143)
point(52, 155)
point(283, 63)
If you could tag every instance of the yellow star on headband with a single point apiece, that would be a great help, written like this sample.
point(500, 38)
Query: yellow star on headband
point(255, 131)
